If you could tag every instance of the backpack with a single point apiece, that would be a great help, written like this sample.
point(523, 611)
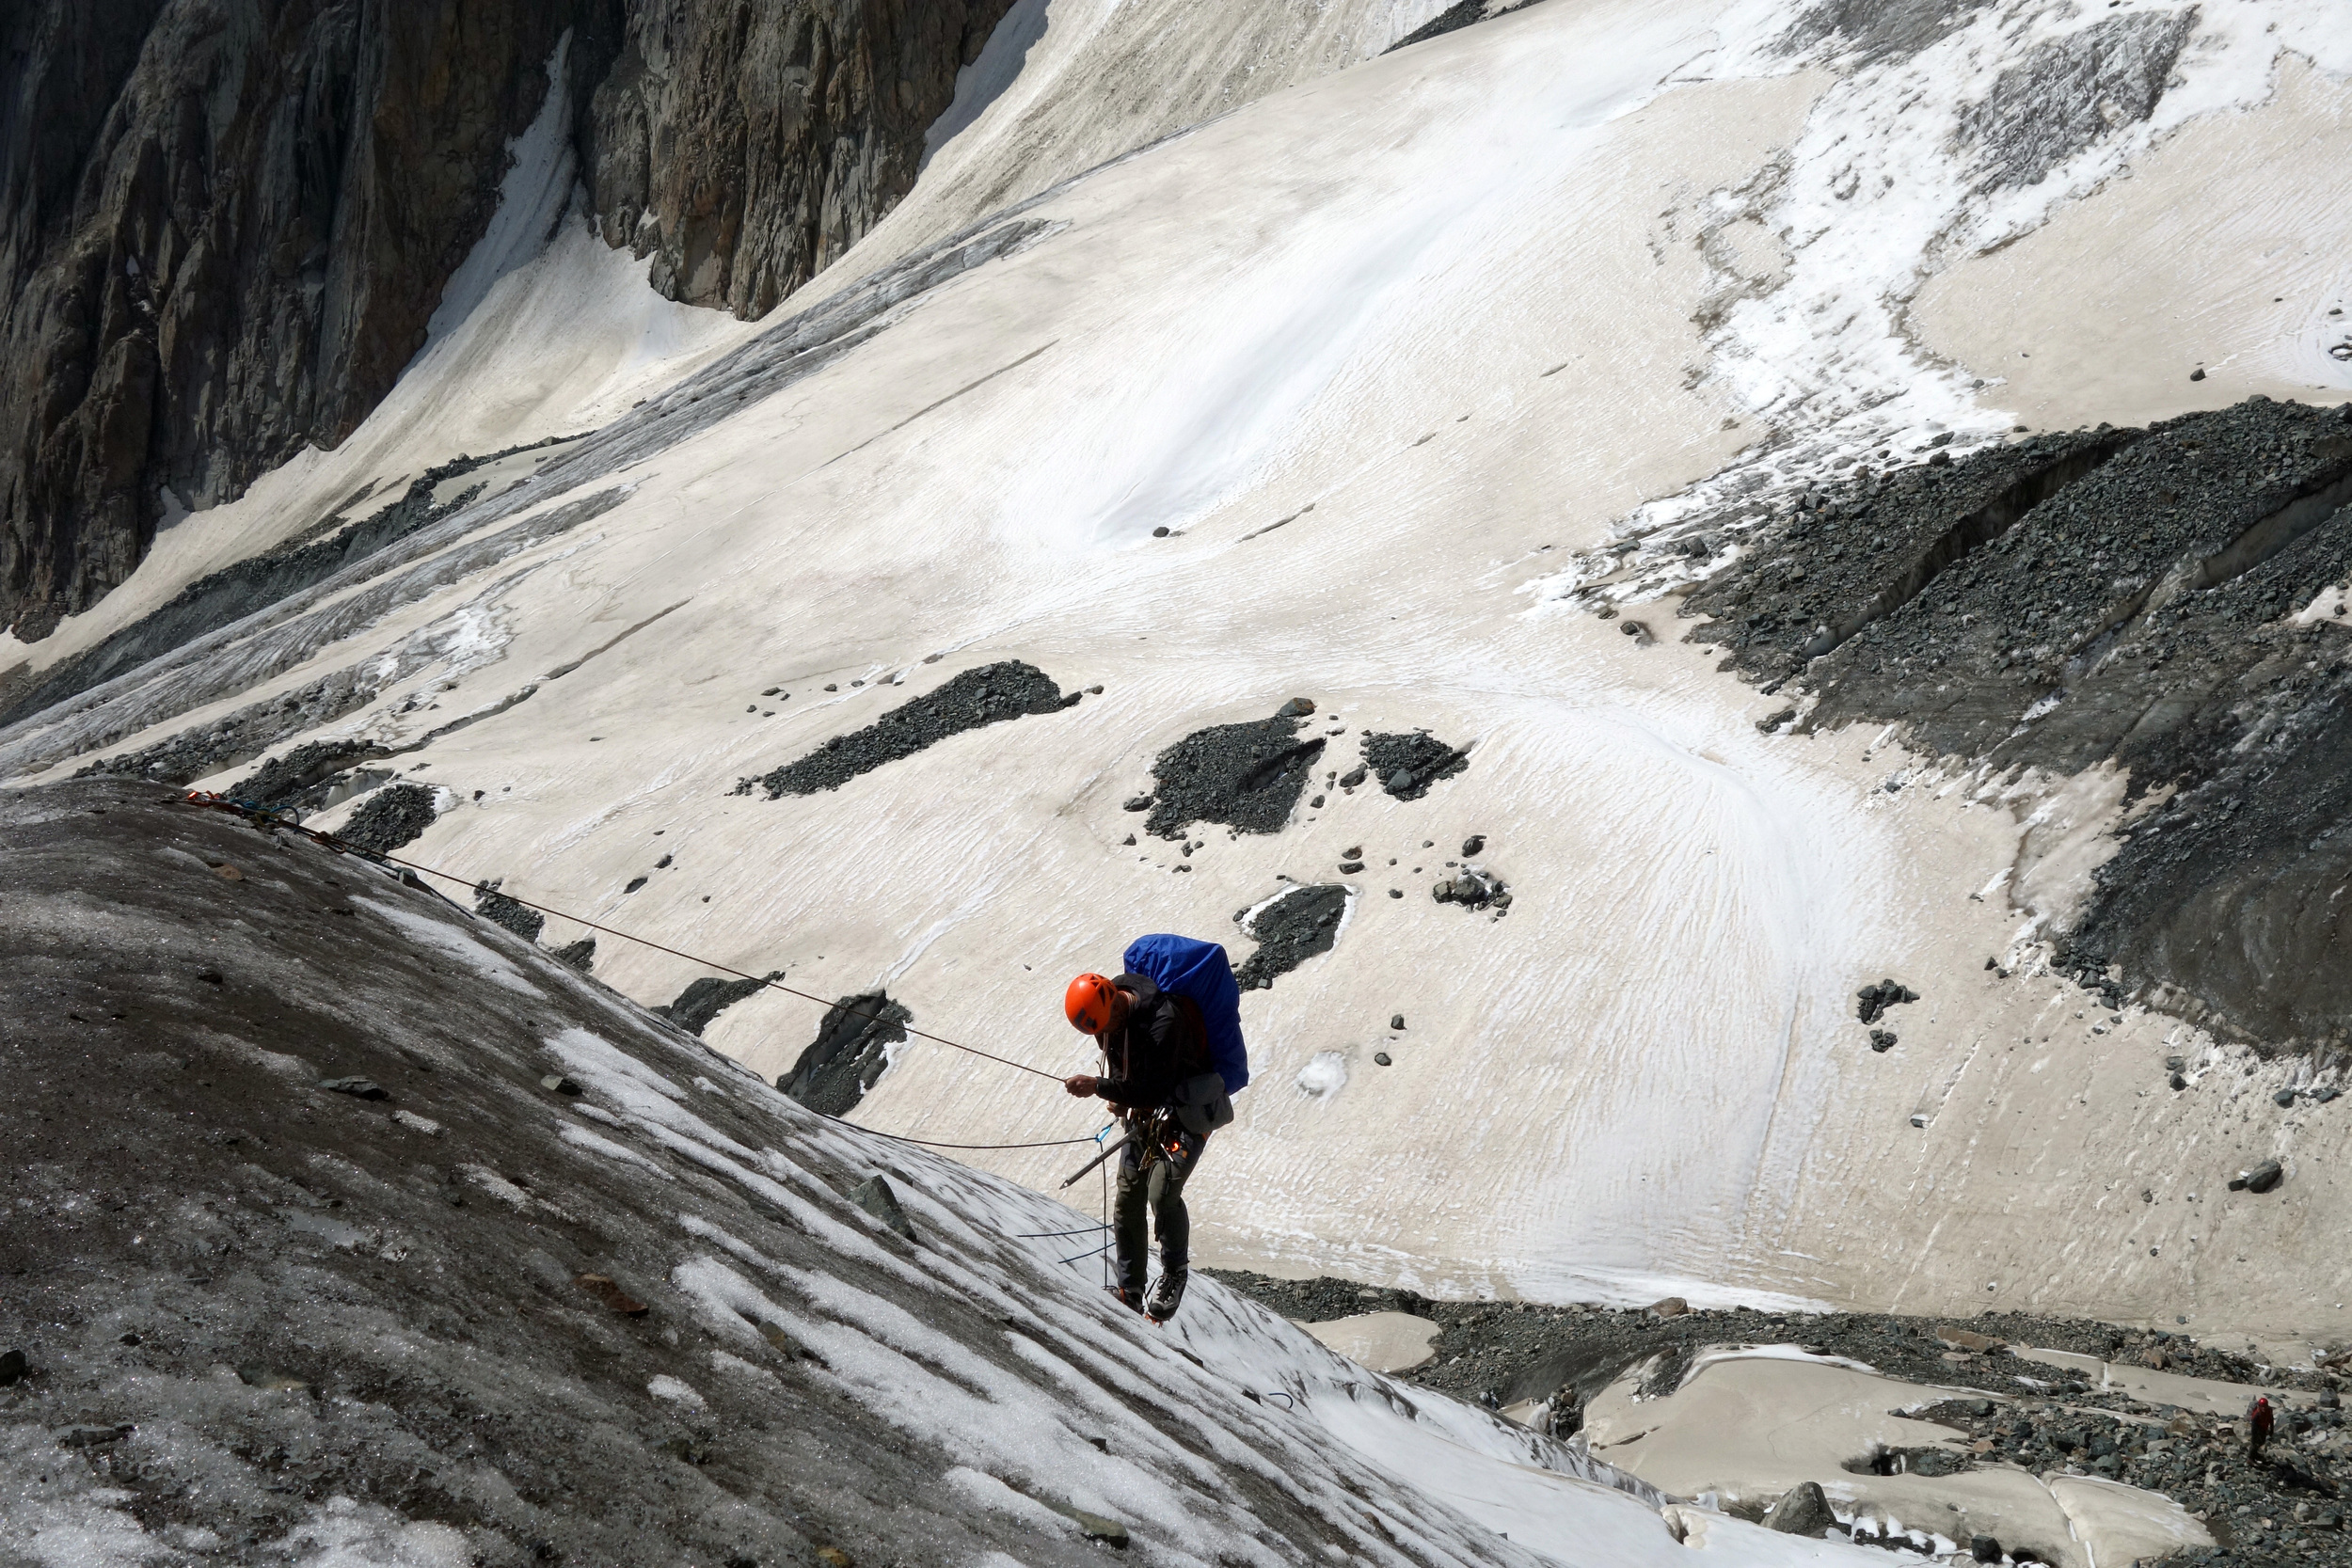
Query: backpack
point(1199, 973)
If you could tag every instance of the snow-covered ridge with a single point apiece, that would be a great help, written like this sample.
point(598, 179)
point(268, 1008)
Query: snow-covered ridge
point(444, 1253)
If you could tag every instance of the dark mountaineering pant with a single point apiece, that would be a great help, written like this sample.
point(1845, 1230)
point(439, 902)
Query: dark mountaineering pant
point(1156, 1189)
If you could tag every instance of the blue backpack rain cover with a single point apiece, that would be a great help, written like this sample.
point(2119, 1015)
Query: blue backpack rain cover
point(1199, 970)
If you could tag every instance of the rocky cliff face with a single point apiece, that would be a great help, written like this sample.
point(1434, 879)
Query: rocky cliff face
point(744, 147)
point(225, 225)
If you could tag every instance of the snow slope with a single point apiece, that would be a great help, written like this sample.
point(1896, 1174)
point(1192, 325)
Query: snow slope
point(1480, 304)
point(561, 1281)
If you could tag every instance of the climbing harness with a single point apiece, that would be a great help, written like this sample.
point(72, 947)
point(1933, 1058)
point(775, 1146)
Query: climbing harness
point(265, 816)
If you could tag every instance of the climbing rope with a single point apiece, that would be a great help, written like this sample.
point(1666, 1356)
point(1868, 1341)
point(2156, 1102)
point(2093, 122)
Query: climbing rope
point(1105, 1250)
point(254, 812)
point(1041, 1235)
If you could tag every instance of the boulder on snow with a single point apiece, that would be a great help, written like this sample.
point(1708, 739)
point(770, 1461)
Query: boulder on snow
point(874, 1196)
point(1673, 1306)
point(1473, 889)
point(1803, 1510)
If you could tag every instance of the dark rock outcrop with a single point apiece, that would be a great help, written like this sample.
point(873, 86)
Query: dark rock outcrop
point(847, 1056)
point(517, 917)
point(2111, 595)
point(285, 781)
point(1407, 764)
point(223, 227)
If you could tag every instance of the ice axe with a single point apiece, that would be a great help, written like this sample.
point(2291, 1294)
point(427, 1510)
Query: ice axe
point(1099, 1159)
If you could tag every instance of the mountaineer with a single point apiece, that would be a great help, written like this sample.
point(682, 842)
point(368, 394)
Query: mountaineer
point(1170, 1029)
point(2258, 1421)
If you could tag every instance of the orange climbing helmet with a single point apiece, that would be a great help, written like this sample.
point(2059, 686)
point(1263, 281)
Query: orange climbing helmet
point(1090, 1002)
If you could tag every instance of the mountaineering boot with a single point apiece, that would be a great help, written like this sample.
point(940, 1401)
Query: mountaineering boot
point(1126, 1296)
point(1168, 1294)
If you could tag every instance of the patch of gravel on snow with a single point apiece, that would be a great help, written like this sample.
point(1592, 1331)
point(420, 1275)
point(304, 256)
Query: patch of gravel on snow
point(521, 919)
point(1406, 765)
point(704, 999)
point(301, 776)
point(1247, 776)
point(1288, 929)
point(989, 695)
point(393, 816)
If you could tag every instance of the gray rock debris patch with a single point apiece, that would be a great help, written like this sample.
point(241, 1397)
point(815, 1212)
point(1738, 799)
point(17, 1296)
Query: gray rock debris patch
point(704, 999)
point(2124, 597)
point(1474, 889)
point(1248, 776)
point(989, 695)
point(1293, 928)
point(392, 817)
point(521, 919)
point(1407, 764)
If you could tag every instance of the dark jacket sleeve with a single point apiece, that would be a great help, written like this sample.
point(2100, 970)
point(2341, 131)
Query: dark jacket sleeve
point(1151, 1048)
